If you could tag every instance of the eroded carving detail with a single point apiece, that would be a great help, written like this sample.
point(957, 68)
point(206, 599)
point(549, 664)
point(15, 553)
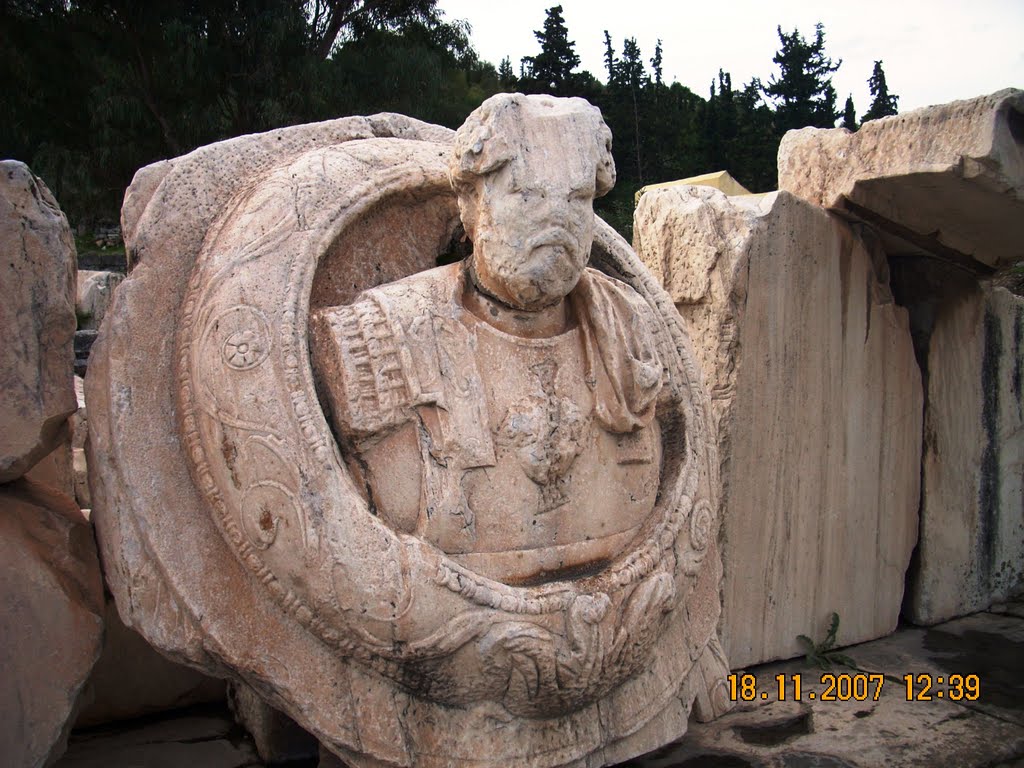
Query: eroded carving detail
point(493, 509)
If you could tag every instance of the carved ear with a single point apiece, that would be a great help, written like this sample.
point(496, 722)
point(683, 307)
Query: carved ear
point(483, 152)
point(605, 162)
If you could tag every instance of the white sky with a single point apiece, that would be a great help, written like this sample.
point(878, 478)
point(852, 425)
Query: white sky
point(932, 52)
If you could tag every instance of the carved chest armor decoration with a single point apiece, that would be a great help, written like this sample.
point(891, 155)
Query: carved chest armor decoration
point(492, 410)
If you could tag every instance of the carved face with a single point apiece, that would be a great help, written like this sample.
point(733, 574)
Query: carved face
point(532, 225)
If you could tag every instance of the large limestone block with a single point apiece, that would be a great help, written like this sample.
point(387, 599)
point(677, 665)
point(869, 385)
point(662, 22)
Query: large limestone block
point(818, 402)
point(242, 535)
point(971, 552)
point(51, 623)
point(948, 179)
point(37, 319)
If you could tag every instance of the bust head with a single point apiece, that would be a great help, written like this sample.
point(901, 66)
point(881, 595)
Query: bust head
point(526, 170)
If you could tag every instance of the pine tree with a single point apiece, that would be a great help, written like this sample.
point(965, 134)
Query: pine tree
point(849, 115)
point(883, 104)
point(552, 69)
point(656, 64)
point(803, 91)
point(611, 64)
point(506, 77)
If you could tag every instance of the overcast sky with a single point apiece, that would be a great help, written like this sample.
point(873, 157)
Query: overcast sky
point(932, 52)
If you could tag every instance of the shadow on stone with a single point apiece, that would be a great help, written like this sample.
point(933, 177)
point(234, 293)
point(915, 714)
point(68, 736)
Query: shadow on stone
point(776, 732)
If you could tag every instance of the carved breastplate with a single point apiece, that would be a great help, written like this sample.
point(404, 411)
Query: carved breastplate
point(490, 446)
point(563, 494)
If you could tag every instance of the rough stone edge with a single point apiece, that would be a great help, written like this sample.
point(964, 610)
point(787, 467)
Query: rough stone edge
point(972, 150)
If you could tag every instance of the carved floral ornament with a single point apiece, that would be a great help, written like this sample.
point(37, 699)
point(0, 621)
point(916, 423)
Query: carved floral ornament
point(410, 621)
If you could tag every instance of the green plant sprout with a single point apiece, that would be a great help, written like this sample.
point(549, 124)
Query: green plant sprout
point(825, 655)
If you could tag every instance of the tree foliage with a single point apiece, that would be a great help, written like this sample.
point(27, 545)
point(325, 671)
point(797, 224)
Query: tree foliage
point(883, 103)
point(100, 88)
point(553, 69)
point(849, 115)
point(803, 91)
point(107, 86)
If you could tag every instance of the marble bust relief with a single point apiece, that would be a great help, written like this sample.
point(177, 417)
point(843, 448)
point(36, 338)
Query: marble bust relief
point(454, 515)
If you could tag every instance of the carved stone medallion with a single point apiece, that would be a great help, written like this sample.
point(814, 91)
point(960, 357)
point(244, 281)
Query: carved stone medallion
point(246, 536)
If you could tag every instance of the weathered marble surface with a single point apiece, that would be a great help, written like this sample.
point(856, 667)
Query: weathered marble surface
point(95, 292)
point(51, 623)
point(37, 319)
point(817, 399)
point(947, 179)
point(132, 680)
point(971, 552)
point(391, 648)
point(278, 738)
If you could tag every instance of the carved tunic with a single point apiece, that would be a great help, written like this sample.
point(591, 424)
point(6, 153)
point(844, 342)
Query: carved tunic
point(521, 458)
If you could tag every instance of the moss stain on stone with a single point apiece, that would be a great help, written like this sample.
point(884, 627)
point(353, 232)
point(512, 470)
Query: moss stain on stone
point(988, 492)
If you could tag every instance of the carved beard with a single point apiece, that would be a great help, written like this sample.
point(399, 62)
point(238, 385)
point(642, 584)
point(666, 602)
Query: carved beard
point(532, 276)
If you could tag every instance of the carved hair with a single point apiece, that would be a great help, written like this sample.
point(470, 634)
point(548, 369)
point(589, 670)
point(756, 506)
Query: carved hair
point(492, 137)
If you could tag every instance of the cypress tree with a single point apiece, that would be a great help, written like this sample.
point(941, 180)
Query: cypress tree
point(883, 103)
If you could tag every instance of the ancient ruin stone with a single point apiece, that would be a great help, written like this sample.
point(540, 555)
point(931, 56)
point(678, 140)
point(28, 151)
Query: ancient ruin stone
point(297, 560)
point(37, 318)
point(278, 738)
point(131, 680)
point(943, 180)
point(971, 552)
point(51, 622)
point(95, 292)
point(56, 469)
point(817, 400)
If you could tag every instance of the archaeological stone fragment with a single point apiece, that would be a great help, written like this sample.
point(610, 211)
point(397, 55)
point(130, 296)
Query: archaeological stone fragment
point(37, 319)
point(439, 512)
point(817, 400)
point(971, 552)
point(942, 180)
point(95, 293)
point(52, 619)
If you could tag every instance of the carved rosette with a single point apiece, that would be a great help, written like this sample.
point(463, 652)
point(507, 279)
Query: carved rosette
point(598, 657)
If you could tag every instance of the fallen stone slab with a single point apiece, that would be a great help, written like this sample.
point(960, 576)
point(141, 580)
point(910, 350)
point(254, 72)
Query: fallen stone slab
point(52, 619)
point(971, 551)
point(37, 320)
point(817, 397)
point(946, 180)
point(200, 739)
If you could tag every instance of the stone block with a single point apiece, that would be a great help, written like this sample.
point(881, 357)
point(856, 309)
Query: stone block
point(51, 622)
point(95, 293)
point(818, 402)
point(971, 552)
point(195, 739)
point(279, 739)
point(131, 679)
point(56, 469)
point(947, 180)
point(37, 319)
